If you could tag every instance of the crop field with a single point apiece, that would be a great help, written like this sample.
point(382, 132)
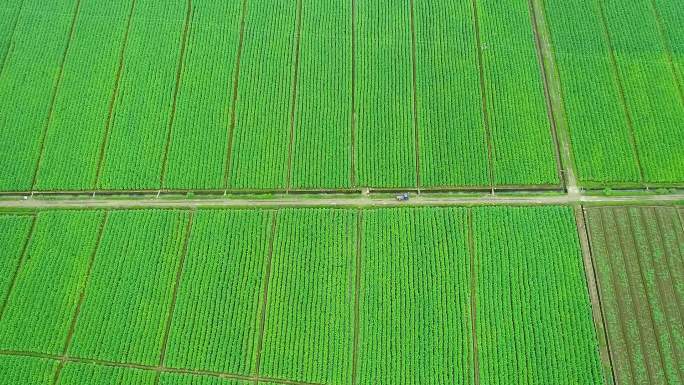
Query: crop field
point(638, 255)
point(316, 296)
point(620, 66)
point(272, 95)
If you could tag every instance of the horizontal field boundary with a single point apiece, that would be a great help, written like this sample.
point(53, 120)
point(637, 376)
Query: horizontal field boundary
point(162, 369)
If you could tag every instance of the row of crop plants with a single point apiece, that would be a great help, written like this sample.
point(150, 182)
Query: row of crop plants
point(270, 95)
point(638, 253)
point(620, 71)
point(432, 295)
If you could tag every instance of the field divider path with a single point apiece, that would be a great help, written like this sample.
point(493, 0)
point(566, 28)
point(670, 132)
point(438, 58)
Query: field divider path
point(544, 56)
point(114, 364)
point(357, 300)
point(11, 37)
point(264, 303)
point(112, 100)
point(20, 264)
point(174, 100)
point(595, 295)
point(295, 83)
point(483, 95)
point(81, 299)
point(621, 90)
point(174, 296)
point(55, 91)
point(233, 107)
point(668, 49)
point(414, 80)
point(473, 299)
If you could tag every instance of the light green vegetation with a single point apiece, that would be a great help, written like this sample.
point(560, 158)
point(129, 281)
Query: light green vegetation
point(26, 370)
point(27, 83)
point(14, 231)
point(129, 291)
point(600, 136)
point(650, 89)
point(415, 296)
point(41, 307)
point(199, 135)
point(76, 131)
point(321, 149)
point(262, 128)
point(386, 154)
point(308, 329)
point(522, 145)
point(534, 322)
point(453, 146)
point(79, 374)
point(215, 321)
point(138, 131)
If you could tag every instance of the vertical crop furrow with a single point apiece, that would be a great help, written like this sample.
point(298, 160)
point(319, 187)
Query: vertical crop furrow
point(10, 284)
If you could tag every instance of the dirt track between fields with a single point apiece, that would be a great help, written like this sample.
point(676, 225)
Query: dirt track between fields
point(361, 201)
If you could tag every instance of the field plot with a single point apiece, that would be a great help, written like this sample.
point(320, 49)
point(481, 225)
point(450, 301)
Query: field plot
point(26, 370)
point(9, 14)
point(199, 134)
point(622, 96)
point(321, 142)
point(300, 296)
point(137, 134)
point(522, 145)
point(14, 233)
point(28, 79)
point(671, 21)
point(452, 137)
point(638, 253)
point(76, 129)
point(386, 154)
point(261, 136)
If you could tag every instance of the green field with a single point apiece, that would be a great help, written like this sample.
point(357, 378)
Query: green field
point(304, 295)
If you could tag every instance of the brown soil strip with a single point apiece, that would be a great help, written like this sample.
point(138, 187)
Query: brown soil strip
point(415, 93)
point(55, 91)
point(115, 94)
point(621, 90)
point(661, 295)
point(233, 107)
point(620, 307)
point(295, 83)
point(473, 299)
point(357, 294)
point(353, 94)
point(179, 74)
point(668, 49)
point(11, 37)
point(20, 264)
point(647, 327)
point(174, 295)
point(81, 298)
point(483, 94)
point(594, 295)
point(207, 373)
point(267, 278)
point(547, 95)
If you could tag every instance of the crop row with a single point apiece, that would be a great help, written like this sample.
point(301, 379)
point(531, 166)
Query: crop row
point(271, 95)
point(622, 89)
point(276, 294)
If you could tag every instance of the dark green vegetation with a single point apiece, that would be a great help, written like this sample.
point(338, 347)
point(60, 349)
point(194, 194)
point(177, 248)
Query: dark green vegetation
point(638, 253)
point(620, 68)
point(458, 295)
